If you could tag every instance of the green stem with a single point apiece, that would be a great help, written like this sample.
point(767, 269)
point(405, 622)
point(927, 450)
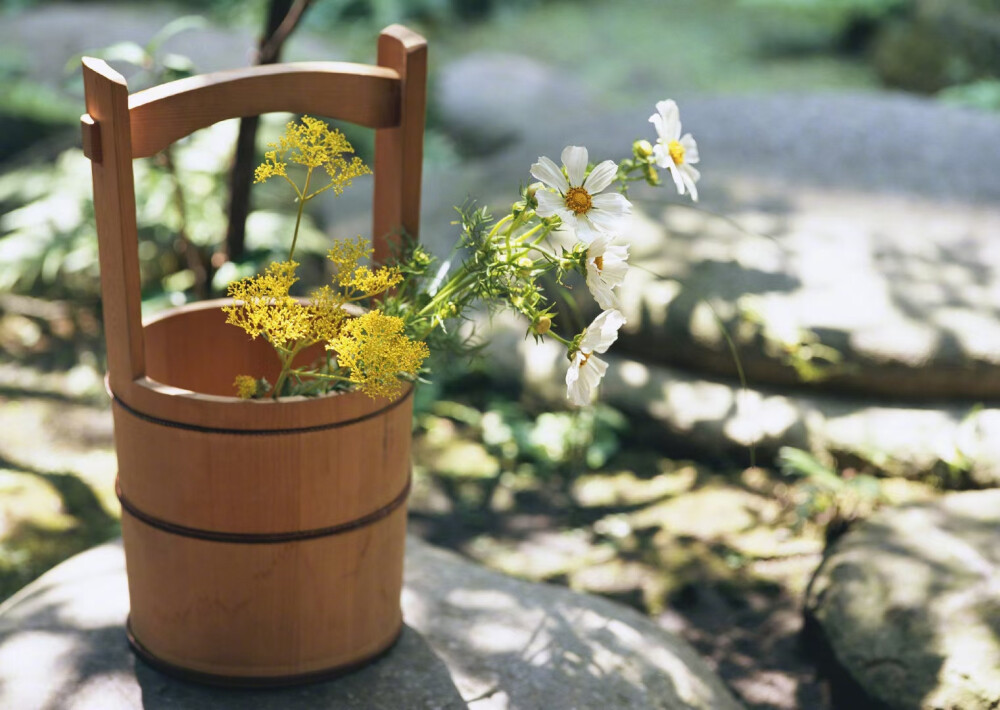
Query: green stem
point(496, 227)
point(286, 366)
point(323, 375)
point(458, 280)
point(298, 217)
point(555, 336)
point(294, 186)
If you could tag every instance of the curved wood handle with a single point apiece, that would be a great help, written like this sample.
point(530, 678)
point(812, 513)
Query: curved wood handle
point(359, 93)
point(390, 97)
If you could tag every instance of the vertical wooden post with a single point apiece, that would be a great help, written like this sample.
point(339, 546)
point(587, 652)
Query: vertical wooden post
point(114, 209)
point(399, 151)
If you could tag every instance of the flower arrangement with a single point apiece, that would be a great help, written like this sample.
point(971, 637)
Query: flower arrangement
point(377, 325)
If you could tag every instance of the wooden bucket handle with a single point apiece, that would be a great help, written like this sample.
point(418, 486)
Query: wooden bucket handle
point(389, 97)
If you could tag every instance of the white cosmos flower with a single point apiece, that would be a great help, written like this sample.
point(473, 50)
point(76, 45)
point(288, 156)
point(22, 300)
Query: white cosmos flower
point(607, 265)
point(576, 200)
point(673, 151)
point(586, 370)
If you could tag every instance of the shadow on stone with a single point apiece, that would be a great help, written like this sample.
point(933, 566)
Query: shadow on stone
point(410, 675)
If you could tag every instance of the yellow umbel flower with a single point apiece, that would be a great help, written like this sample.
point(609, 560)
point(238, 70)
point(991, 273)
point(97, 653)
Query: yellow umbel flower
point(326, 313)
point(271, 167)
point(264, 306)
point(370, 283)
point(345, 255)
point(313, 144)
point(374, 350)
point(246, 386)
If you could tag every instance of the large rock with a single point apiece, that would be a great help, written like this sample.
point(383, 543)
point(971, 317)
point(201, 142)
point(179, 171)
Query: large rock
point(954, 443)
point(838, 221)
point(487, 100)
point(69, 29)
point(474, 638)
point(906, 607)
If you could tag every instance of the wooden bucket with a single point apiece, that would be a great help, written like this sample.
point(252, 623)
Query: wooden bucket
point(268, 550)
point(263, 540)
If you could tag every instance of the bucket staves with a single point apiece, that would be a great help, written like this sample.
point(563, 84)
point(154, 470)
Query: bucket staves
point(260, 556)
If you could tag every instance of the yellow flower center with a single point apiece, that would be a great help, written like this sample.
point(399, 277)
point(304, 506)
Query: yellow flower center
point(578, 200)
point(583, 360)
point(599, 263)
point(676, 152)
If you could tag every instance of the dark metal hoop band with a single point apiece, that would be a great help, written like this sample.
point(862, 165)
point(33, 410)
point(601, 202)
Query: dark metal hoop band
point(257, 432)
point(248, 682)
point(261, 538)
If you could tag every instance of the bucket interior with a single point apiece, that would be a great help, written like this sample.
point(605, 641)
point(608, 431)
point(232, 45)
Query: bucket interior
point(195, 349)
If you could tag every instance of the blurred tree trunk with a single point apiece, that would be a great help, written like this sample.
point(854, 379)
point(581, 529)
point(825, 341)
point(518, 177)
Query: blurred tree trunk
point(282, 18)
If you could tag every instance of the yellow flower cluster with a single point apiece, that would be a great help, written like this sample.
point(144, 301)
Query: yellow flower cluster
point(372, 350)
point(246, 386)
point(312, 144)
point(375, 351)
point(264, 306)
point(271, 167)
point(351, 276)
point(326, 313)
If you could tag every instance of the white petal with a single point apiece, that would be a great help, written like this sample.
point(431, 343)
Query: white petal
point(602, 332)
point(584, 230)
point(690, 175)
point(576, 388)
point(676, 175)
point(598, 246)
point(616, 253)
point(574, 157)
point(550, 174)
point(657, 120)
point(600, 290)
point(671, 119)
point(615, 269)
point(690, 149)
point(601, 176)
point(661, 156)
point(613, 203)
point(604, 222)
point(597, 367)
point(549, 203)
point(592, 373)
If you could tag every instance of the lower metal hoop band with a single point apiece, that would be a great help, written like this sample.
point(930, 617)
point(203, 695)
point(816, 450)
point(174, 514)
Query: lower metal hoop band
point(262, 538)
point(228, 681)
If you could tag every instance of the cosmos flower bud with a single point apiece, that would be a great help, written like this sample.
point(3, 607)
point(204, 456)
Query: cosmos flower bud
point(642, 149)
point(541, 325)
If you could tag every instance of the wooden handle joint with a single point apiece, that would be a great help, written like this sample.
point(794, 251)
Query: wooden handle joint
point(91, 137)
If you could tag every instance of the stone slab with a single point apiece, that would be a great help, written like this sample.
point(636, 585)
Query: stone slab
point(840, 220)
point(709, 417)
point(474, 638)
point(906, 606)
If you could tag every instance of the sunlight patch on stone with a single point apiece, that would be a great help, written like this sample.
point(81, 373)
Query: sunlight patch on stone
point(19, 657)
point(977, 334)
point(648, 294)
point(480, 599)
point(497, 637)
point(687, 403)
point(634, 374)
point(759, 417)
